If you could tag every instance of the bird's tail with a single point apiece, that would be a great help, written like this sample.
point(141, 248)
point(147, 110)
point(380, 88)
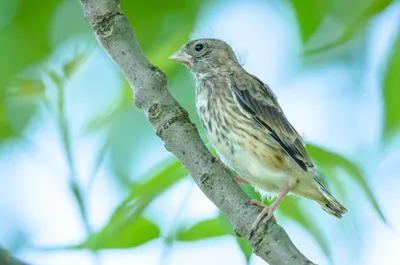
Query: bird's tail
point(330, 204)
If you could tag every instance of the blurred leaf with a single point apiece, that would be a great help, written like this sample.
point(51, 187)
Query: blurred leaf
point(126, 218)
point(125, 142)
point(309, 15)
point(353, 17)
point(327, 161)
point(244, 245)
point(25, 87)
point(70, 67)
point(18, 105)
point(129, 137)
point(130, 233)
point(29, 37)
point(171, 172)
point(158, 21)
point(63, 27)
point(370, 11)
point(391, 92)
point(55, 77)
point(25, 43)
point(78, 195)
point(159, 55)
point(202, 230)
point(24, 39)
point(162, 27)
point(144, 193)
point(5, 129)
point(291, 208)
point(7, 259)
point(18, 113)
point(108, 116)
point(358, 16)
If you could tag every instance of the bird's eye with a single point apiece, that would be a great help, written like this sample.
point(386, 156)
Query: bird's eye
point(198, 47)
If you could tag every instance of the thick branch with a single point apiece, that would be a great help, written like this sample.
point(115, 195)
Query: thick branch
point(172, 124)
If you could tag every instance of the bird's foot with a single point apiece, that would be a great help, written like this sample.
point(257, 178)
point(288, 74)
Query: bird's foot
point(266, 214)
point(235, 178)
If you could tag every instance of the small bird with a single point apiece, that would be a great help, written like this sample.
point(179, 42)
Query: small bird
point(248, 129)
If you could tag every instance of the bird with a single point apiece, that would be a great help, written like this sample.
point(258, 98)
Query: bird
point(249, 130)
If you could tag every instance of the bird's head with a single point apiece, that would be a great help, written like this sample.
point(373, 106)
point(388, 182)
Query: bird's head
point(205, 56)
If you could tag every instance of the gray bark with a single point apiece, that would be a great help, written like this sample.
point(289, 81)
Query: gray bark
point(172, 125)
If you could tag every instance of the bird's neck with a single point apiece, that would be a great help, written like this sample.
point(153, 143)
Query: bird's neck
point(202, 76)
point(226, 69)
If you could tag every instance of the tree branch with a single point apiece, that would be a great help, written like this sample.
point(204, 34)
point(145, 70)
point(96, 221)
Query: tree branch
point(172, 125)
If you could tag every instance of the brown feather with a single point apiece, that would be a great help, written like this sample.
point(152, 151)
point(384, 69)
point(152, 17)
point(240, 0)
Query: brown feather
point(257, 100)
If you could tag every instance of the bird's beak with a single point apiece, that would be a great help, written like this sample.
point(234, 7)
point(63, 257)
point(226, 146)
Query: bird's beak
point(181, 57)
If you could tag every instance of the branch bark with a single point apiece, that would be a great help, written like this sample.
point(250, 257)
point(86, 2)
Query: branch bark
point(172, 124)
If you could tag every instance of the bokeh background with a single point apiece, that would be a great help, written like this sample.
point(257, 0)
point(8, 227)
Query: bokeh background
point(84, 179)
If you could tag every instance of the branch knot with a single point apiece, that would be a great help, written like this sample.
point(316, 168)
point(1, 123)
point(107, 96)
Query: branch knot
point(104, 25)
point(180, 115)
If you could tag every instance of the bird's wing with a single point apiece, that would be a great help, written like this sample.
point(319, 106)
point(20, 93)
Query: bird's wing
point(257, 101)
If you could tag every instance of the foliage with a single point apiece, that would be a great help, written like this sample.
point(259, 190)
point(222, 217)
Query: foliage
point(391, 92)
point(26, 79)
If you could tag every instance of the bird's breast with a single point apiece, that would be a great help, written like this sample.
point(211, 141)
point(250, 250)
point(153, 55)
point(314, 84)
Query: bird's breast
point(241, 143)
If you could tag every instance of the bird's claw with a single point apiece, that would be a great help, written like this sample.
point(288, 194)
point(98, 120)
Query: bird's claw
point(257, 203)
point(266, 214)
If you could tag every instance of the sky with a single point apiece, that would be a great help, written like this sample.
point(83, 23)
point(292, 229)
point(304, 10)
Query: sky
point(316, 99)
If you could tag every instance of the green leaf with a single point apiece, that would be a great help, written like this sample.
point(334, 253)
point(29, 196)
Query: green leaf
point(391, 92)
point(363, 15)
point(25, 38)
point(18, 112)
point(244, 245)
point(353, 17)
point(144, 193)
point(310, 15)
point(328, 161)
point(5, 129)
point(128, 234)
point(291, 208)
point(22, 87)
point(18, 104)
point(202, 230)
point(126, 218)
point(163, 19)
point(63, 27)
point(171, 172)
point(70, 67)
point(169, 23)
point(109, 116)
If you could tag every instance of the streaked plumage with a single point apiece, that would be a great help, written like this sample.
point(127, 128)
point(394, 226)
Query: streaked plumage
point(248, 128)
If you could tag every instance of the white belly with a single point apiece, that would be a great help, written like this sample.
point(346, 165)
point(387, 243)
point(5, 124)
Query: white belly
point(248, 166)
